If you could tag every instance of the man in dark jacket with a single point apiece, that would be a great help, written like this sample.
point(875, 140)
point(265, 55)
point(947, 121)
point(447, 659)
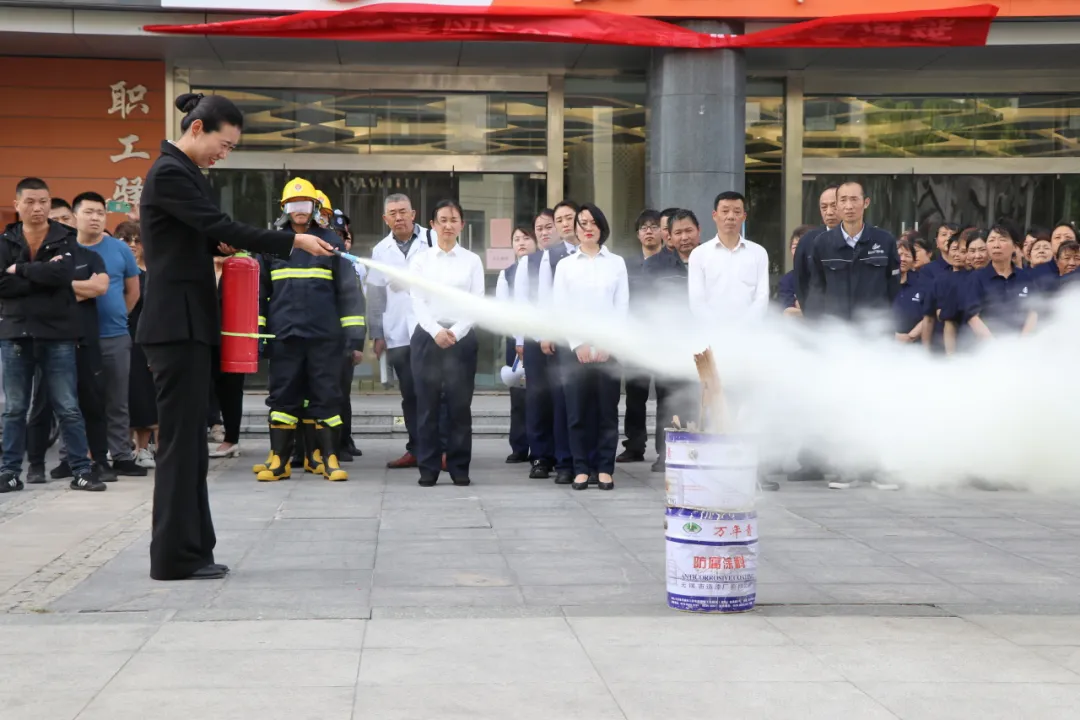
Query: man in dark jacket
point(666, 273)
point(182, 227)
point(39, 325)
point(803, 262)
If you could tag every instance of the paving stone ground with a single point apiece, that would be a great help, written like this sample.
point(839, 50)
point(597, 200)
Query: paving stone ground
point(515, 598)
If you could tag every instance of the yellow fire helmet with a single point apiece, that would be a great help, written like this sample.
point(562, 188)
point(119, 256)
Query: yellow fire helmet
point(298, 189)
point(324, 203)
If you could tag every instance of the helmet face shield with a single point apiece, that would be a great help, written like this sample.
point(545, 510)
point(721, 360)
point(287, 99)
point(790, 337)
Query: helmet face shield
point(305, 207)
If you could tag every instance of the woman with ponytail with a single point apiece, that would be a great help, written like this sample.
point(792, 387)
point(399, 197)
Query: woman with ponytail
point(182, 230)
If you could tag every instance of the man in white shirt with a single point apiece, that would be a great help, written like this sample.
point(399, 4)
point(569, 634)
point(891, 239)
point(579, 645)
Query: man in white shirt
point(728, 276)
point(443, 350)
point(390, 308)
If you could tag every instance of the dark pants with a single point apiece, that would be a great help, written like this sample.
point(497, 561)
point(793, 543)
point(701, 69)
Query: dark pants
point(538, 404)
point(345, 436)
point(56, 358)
point(560, 429)
point(443, 377)
point(91, 394)
point(182, 538)
point(519, 440)
point(227, 399)
point(592, 411)
point(398, 359)
point(307, 369)
point(637, 395)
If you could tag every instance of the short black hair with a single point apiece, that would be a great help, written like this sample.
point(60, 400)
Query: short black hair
point(684, 214)
point(89, 196)
point(566, 203)
point(834, 188)
point(213, 110)
point(1068, 245)
point(30, 183)
point(58, 203)
point(1065, 224)
point(598, 217)
point(799, 232)
point(447, 203)
point(1036, 230)
point(1005, 226)
point(862, 188)
point(1042, 240)
point(646, 216)
point(925, 243)
point(729, 195)
point(976, 234)
point(546, 212)
point(668, 213)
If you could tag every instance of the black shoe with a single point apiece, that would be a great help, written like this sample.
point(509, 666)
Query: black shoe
point(353, 450)
point(659, 466)
point(61, 471)
point(540, 470)
point(209, 572)
point(564, 477)
point(10, 482)
point(343, 455)
point(224, 568)
point(806, 475)
point(594, 479)
point(517, 457)
point(85, 480)
point(35, 475)
point(104, 473)
point(628, 456)
point(768, 485)
point(427, 481)
point(461, 481)
point(129, 468)
point(574, 485)
point(606, 485)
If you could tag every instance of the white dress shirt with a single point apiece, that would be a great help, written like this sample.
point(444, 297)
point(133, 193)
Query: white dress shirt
point(459, 268)
point(596, 285)
point(726, 285)
point(545, 280)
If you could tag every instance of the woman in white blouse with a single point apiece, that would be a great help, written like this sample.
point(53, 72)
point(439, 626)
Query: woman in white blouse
point(443, 350)
point(592, 280)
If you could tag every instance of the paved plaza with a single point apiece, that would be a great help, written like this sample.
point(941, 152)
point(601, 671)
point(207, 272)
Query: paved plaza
point(517, 599)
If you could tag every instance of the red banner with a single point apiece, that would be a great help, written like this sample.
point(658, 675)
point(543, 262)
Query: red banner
point(950, 27)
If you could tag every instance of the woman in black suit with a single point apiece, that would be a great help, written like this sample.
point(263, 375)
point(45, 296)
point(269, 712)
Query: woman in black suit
point(182, 230)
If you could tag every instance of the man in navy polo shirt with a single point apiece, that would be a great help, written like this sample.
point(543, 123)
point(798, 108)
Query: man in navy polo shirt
point(113, 308)
point(996, 300)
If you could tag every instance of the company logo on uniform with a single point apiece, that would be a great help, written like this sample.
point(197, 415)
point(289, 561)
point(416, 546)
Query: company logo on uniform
point(877, 246)
point(692, 528)
point(916, 298)
point(1024, 292)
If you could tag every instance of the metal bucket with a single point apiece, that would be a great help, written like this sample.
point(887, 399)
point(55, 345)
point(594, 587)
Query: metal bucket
point(711, 560)
point(710, 472)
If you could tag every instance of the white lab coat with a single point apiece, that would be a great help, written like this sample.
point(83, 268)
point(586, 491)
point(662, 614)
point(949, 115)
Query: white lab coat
point(399, 321)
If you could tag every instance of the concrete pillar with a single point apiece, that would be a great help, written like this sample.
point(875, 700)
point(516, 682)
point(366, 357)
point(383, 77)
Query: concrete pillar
point(696, 134)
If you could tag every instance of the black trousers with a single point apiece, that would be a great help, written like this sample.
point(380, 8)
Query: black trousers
point(306, 369)
point(637, 395)
point(182, 539)
point(345, 436)
point(538, 404)
point(398, 358)
point(227, 398)
point(592, 412)
point(443, 376)
point(519, 439)
point(90, 382)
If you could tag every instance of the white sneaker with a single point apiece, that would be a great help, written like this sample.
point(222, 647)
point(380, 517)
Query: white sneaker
point(844, 483)
point(143, 458)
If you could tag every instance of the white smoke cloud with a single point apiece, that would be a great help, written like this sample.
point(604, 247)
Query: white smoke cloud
point(1007, 411)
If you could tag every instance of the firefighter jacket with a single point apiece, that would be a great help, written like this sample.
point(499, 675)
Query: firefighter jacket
point(311, 297)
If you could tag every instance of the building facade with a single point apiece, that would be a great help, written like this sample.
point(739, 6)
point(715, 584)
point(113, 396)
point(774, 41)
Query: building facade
point(961, 134)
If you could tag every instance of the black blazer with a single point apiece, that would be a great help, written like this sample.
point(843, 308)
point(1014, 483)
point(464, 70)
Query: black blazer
point(181, 229)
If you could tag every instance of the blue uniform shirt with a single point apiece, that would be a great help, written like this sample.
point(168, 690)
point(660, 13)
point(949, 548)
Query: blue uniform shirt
point(120, 265)
point(1001, 302)
point(907, 307)
point(785, 292)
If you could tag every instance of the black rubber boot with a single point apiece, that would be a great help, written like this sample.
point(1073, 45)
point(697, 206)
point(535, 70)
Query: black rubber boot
point(278, 467)
point(328, 438)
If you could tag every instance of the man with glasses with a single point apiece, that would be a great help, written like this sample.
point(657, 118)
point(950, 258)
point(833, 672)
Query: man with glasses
point(649, 233)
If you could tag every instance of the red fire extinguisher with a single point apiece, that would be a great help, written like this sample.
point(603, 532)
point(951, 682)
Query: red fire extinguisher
point(240, 314)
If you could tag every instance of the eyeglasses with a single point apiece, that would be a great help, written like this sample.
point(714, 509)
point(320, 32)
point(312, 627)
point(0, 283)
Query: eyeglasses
point(650, 228)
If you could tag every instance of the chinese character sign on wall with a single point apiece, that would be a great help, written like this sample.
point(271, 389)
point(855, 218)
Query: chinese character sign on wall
point(91, 125)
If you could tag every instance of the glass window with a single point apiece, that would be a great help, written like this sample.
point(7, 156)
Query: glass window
point(932, 126)
point(764, 165)
point(391, 122)
point(604, 142)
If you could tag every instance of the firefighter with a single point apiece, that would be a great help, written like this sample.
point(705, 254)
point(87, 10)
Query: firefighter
point(311, 308)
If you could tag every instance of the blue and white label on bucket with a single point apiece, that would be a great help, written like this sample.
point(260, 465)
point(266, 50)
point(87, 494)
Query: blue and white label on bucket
point(711, 560)
point(710, 471)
